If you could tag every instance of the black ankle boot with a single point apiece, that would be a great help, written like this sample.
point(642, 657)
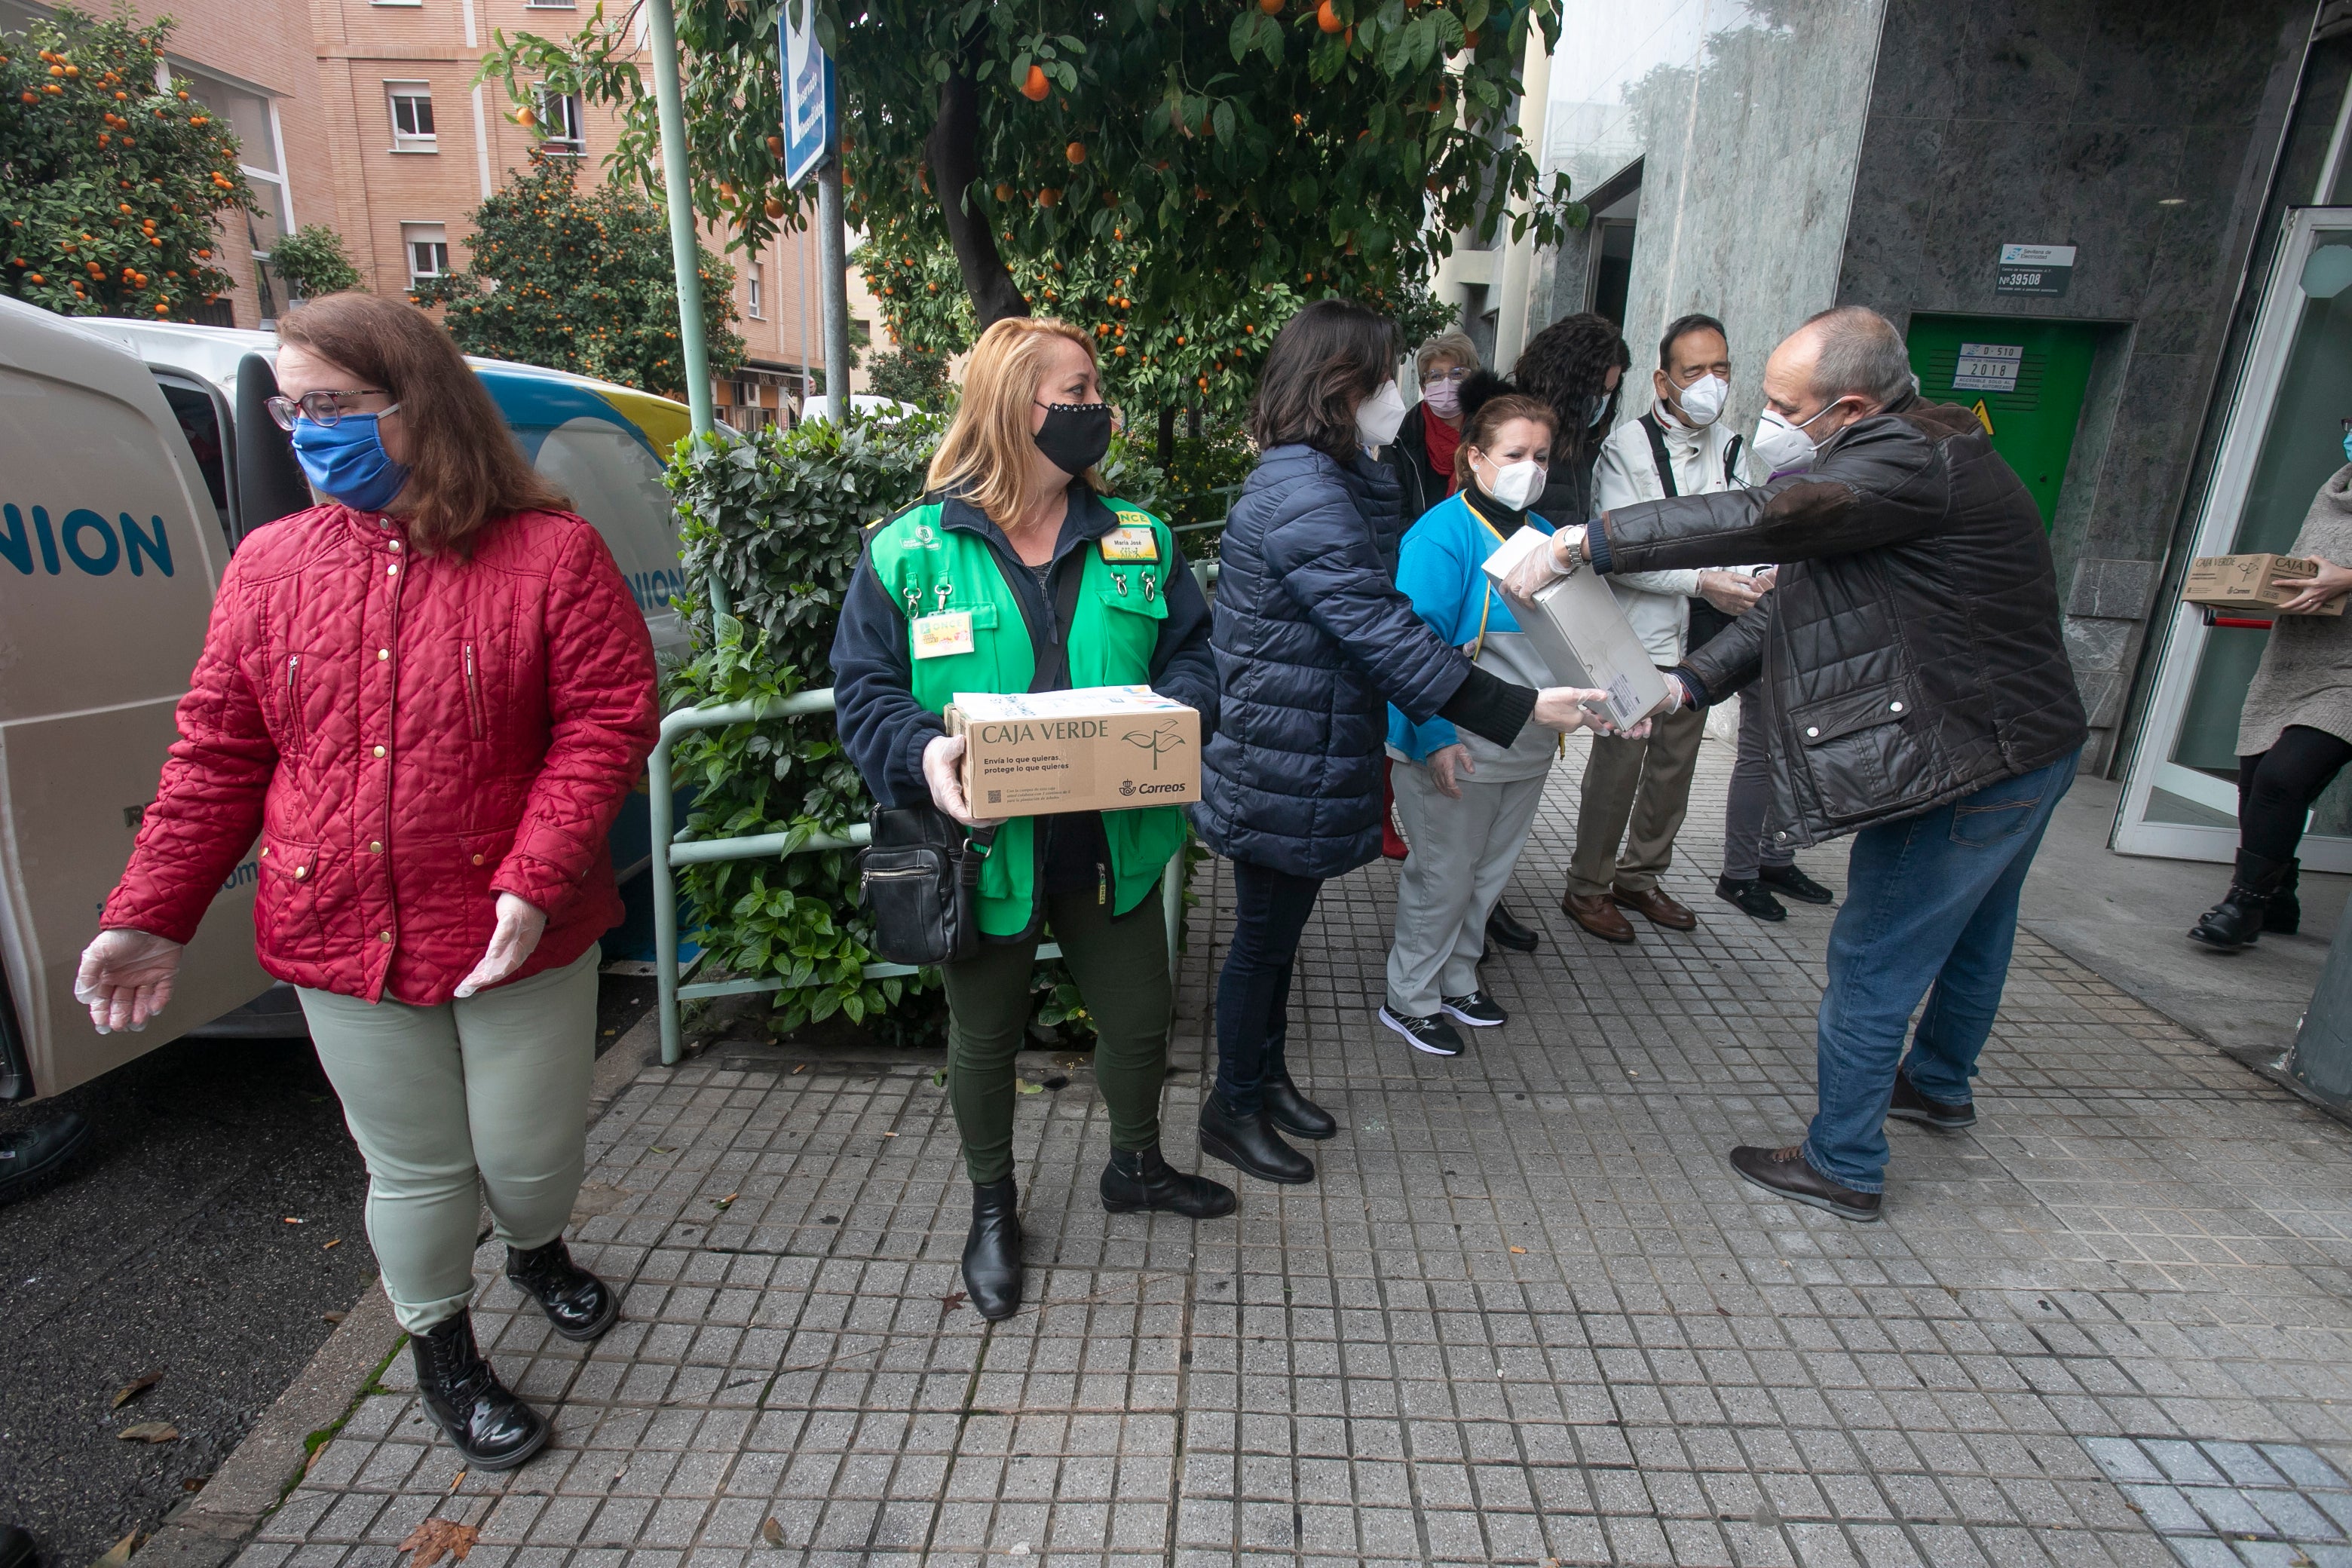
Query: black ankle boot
point(2237, 920)
point(483, 1421)
point(581, 1306)
point(2282, 916)
point(1293, 1111)
point(1251, 1143)
point(1138, 1179)
point(992, 1252)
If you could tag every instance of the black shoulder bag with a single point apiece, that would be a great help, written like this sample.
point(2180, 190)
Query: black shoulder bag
point(1706, 620)
point(920, 876)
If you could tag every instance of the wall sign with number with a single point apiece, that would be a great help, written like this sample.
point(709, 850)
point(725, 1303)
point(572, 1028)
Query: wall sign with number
point(2037, 270)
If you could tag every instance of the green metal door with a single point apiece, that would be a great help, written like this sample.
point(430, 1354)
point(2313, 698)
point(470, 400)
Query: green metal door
point(2023, 377)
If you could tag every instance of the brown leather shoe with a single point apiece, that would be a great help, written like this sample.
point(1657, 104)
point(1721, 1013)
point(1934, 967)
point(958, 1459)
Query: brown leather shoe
point(1596, 914)
point(1785, 1173)
point(1660, 908)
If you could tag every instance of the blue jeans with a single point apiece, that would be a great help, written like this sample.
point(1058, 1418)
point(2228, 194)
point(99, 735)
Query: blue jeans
point(1931, 906)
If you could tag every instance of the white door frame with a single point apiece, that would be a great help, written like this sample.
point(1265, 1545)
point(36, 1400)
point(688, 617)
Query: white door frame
point(2217, 526)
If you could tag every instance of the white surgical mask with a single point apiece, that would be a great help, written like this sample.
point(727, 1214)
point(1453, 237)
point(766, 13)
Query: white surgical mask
point(1784, 448)
point(1515, 484)
point(1701, 402)
point(1380, 417)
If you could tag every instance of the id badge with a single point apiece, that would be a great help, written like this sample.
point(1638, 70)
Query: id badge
point(949, 632)
point(1130, 544)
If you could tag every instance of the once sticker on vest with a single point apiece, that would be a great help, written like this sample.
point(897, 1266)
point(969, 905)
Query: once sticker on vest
point(937, 637)
point(1130, 544)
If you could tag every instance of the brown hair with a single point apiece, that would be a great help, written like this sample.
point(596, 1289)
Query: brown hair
point(1328, 359)
point(464, 468)
point(987, 449)
point(1481, 424)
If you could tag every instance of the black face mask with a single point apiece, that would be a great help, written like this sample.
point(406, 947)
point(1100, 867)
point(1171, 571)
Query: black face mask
point(1076, 436)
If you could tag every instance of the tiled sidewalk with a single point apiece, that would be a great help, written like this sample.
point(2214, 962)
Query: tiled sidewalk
point(1525, 1315)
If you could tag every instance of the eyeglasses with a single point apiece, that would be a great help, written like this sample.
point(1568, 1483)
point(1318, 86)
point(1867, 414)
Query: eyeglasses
point(318, 408)
point(1459, 372)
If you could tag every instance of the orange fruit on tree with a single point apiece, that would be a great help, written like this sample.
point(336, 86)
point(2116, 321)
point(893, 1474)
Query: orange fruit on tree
point(1049, 197)
point(1326, 18)
point(776, 146)
point(1271, 7)
point(1076, 151)
point(525, 117)
point(774, 206)
point(1003, 191)
point(1034, 87)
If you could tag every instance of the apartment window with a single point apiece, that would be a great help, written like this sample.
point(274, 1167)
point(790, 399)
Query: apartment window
point(427, 247)
point(412, 117)
point(559, 118)
point(751, 280)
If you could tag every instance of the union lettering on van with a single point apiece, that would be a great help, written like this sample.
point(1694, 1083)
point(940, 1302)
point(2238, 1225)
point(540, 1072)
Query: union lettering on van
point(83, 538)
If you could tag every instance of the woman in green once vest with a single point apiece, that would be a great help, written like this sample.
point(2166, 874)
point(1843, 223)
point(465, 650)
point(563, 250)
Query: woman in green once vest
point(1013, 556)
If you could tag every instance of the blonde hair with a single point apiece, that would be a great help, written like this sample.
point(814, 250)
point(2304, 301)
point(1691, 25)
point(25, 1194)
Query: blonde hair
point(1455, 346)
point(987, 450)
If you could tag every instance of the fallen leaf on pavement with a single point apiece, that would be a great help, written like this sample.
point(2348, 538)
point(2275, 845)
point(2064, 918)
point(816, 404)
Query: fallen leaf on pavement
point(459, 1482)
point(772, 1533)
point(1026, 1086)
point(334, 1316)
point(950, 1302)
point(438, 1538)
point(149, 1432)
point(119, 1552)
point(135, 1387)
point(1519, 1249)
point(332, 1244)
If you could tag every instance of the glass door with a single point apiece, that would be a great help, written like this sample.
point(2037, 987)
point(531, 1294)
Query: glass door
point(2284, 439)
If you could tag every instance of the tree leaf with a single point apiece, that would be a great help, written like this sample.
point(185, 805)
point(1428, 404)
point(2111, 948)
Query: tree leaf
point(437, 1538)
point(135, 1387)
point(772, 1533)
point(149, 1432)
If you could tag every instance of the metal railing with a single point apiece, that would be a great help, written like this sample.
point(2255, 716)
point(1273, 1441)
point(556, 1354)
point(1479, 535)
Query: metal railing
point(671, 850)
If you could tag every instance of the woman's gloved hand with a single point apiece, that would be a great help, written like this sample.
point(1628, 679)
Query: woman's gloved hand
point(942, 770)
point(521, 925)
point(1562, 707)
point(125, 978)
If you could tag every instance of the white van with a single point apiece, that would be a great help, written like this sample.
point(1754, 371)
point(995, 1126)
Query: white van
point(133, 456)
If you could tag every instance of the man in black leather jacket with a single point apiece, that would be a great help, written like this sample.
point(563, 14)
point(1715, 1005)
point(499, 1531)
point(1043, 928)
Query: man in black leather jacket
point(1915, 680)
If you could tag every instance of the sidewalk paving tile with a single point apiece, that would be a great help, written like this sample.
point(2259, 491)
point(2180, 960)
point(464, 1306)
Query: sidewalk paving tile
point(1524, 1315)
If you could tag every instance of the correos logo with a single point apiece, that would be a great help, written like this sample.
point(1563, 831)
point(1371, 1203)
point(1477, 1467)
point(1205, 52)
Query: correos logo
point(85, 539)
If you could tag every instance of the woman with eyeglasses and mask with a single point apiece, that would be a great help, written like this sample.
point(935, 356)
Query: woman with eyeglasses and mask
point(428, 699)
point(1423, 453)
point(1016, 566)
point(1313, 643)
point(1577, 365)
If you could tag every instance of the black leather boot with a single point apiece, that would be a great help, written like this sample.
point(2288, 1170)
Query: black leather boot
point(992, 1252)
point(1291, 1110)
point(483, 1421)
point(2237, 920)
point(1138, 1179)
point(2283, 915)
point(580, 1305)
point(1251, 1143)
point(30, 1157)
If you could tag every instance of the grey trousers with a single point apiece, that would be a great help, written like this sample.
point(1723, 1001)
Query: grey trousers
point(492, 1090)
point(1463, 854)
point(1637, 792)
point(1750, 797)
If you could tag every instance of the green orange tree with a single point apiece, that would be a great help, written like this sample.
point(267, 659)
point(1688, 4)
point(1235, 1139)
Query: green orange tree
point(1200, 150)
point(110, 178)
point(580, 281)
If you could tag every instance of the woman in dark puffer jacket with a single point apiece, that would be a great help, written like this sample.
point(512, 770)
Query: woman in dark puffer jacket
point(1313, 641)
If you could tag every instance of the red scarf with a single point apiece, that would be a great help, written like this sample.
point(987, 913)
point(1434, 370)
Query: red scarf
point(1443, 439)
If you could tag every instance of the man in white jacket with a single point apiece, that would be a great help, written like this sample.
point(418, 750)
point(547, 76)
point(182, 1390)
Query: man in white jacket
point(1681, 445)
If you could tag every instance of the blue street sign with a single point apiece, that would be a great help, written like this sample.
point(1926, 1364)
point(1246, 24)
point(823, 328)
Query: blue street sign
point(808, 93)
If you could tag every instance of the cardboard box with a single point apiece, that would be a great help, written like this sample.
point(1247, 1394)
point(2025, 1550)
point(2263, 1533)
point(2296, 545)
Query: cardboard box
point(1097, 748)
point(2249, 583)
point(1582, 636)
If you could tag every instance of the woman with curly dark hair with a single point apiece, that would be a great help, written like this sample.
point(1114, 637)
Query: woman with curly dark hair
point(1575, 364)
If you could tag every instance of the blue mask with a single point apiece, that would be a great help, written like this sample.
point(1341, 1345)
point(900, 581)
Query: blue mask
point(347, 460)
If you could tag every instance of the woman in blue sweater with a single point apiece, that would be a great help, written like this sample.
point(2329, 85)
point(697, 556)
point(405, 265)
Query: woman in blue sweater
point(1313, 642)
point(1466, 804)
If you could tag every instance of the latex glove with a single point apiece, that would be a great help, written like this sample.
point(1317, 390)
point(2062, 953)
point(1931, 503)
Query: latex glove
point(1561, 708)
point(521, 925)
point(1768, 579)
point(1537, 569)
point(1677, 694)
point(125, 978)
point(2311, 594)
point(1733, 593)
point(943, 771)
point(1448, 765)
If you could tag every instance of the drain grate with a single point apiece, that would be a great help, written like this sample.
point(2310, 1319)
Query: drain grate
point(2234, 1505)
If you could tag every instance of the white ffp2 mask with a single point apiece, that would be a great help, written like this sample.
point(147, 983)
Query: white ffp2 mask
point(1517, 484)
point(1781, 447)
point(1701, 402)
point(1380, 417)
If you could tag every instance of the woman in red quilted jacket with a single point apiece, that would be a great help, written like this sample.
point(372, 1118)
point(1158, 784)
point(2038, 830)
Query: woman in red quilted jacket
point(427, 700)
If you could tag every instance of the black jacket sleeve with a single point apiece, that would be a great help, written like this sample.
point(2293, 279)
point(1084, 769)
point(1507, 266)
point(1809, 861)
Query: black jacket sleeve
point(882, 726)
point(1489, 707)
point(1182, 666)
point(1883, 481)
point(1731, 658)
